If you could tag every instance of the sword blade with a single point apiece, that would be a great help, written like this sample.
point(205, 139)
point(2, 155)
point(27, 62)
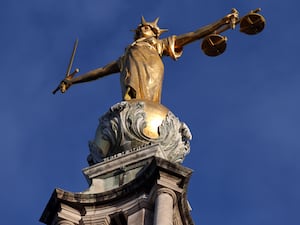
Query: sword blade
point(70, 65)
point(72, 58)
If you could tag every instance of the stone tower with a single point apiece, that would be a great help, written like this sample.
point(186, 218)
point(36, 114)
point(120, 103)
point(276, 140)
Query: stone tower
point(135, 174)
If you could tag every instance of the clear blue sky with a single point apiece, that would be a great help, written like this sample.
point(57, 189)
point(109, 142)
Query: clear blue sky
point(242, 107)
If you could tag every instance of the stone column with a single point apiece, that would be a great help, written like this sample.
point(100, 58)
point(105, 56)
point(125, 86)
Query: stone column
point(163, 214)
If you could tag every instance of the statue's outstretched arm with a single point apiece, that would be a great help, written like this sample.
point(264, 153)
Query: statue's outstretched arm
point(184, 39)
point(97, 73)
point(110, 68)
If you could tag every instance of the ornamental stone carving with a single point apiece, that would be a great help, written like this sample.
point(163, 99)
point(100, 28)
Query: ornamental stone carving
point(132, 124)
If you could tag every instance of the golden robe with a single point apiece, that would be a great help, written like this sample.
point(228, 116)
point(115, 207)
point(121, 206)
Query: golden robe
point(142, 69)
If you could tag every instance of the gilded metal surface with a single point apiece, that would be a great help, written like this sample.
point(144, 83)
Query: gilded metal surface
point(141, 65)
point(253, 23)
point(63, 87)
point(214, 44)
point(154, 115)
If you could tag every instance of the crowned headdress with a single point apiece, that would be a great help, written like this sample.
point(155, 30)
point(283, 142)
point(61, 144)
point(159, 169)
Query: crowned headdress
point(157, 31)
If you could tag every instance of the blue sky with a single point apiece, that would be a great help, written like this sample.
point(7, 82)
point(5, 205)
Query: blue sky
point(242, 107)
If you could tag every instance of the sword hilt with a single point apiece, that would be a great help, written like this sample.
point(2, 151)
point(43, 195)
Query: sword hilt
point(70, 76)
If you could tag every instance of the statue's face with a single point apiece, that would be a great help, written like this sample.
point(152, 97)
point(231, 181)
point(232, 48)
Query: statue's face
point(146, 31)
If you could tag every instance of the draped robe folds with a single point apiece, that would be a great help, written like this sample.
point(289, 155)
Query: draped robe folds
point(142, 69)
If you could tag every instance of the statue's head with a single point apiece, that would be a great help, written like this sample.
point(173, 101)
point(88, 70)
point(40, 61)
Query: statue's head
point(148, 29)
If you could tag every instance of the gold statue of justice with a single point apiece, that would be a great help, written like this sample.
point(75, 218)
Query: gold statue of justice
point(141, 67)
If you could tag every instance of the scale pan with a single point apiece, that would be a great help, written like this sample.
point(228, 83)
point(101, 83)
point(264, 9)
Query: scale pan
point(214, 45)
point(252, 23)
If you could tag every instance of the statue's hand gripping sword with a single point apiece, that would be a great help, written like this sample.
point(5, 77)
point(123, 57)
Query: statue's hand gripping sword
point(62, 84)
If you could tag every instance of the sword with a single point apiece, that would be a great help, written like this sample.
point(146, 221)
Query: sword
point(68, 75)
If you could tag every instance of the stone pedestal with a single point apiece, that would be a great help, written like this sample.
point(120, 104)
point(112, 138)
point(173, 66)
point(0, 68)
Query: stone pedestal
point(134, 187)
point(135, 176)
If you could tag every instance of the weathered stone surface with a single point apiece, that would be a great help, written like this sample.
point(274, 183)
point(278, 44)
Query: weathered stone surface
point(134, 200)
point(132, 124)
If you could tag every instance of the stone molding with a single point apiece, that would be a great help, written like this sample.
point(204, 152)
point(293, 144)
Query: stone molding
point(136, 197)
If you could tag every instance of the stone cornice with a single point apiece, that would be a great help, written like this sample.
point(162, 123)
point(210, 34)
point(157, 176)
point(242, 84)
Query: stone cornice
point(133, 195)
